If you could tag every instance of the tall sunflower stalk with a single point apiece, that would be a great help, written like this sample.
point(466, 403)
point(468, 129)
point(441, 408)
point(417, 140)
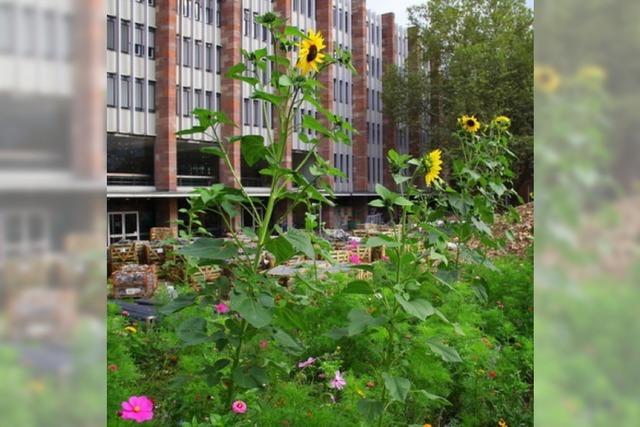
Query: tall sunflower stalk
point(251, 303)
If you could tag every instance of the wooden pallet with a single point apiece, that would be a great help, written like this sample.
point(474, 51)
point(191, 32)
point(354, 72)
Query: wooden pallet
point(121, 254)
point(134, 281)
point(161, 233)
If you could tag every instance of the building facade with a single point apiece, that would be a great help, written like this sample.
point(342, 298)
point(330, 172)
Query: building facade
point(167, 57)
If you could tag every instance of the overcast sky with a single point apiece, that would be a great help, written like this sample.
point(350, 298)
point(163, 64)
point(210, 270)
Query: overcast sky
point(399, 7)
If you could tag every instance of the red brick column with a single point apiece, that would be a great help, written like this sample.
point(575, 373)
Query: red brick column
point(324, 19)
point(359, 40)
point(165, 144)
point(167, 213)
point(389, 51)
point(88, 135)
point(231, 35)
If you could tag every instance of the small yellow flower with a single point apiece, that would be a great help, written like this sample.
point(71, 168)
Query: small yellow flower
point(546, 78)
point(502, 122)
point(130, 329)
point(360, 393)
point(469, 123)
point(433, 165)
point(309, 55)
point(502, 423)
point(592, 74)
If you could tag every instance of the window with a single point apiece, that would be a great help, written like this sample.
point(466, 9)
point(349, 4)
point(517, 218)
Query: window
point(124, 36)
point(125, 84)
point(346, 93)
point(208, 13)
point(256, 112)
point(218, 101)
point(246, 22)
point(218, 59)
point(186, 101)
point(178, 56)
point(335, 16)
point(247, 112)
point(303, 7)
point(196, 10)
point(256, 26)
point(139, 46)
point(208, 99)
point(123, 226)
point(335, 90)
point(265, 33)
point(218, 20)
point(178, 100)
point(111, 33)
point(295, 5)
point(208, 57)
point(340, 19)
point(309, 7)
point(139, 95)
point(152, 43)
point(152, 2)
point(151, 104)
point(197, 60)
point(111, 90)
point(50, 29)
point(346, 21)
point(340, 92)
point(186, 6)
point(198, 96)
point(28, 31)
point(186, 52)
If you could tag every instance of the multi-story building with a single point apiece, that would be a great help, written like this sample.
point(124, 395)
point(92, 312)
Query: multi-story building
point(166, 57)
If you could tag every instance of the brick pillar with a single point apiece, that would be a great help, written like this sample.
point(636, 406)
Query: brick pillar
point(359, 40)
point(389, 53)
point(324, 19)
point(231, 35)
point(165, 144)
point(88, 135)
point(167, 213)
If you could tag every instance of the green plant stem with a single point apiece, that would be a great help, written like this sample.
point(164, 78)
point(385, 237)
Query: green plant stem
point(236, 361)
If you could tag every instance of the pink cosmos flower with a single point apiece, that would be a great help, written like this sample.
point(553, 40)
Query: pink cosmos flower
point(138, 409)
point(353, 244)
point(239, 407)
point(337, 382)
point(308, 362)
point(222, 308)
point(264, 344)
point(354, 259)
point(384, 258)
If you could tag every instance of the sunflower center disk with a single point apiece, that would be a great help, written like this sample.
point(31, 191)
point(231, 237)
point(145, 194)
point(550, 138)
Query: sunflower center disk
point(313, 53)
point(470, 123)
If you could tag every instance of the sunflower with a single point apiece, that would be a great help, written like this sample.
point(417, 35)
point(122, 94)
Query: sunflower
point(433, 164)
point(502, 122)
point(310, 54)
point(469, 123)
point(546, 78)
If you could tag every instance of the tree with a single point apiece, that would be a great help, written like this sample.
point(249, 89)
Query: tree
point(467, 57)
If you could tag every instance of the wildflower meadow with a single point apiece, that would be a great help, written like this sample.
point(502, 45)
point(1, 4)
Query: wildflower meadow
point(425, 322)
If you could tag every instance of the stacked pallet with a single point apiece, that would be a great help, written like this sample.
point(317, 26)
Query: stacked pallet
point(134, 281)
point(121, 254)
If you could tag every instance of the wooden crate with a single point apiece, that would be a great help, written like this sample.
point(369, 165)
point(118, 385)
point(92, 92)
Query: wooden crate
point(155, 252)
point(121, 254)
point(364, 254)
point(162, 233)
point(340, 256)
point(205, 274)
point(42, 314)
point(134, 281)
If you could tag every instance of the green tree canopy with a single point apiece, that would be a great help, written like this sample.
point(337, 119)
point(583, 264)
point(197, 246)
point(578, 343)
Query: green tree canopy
point(467, 57)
